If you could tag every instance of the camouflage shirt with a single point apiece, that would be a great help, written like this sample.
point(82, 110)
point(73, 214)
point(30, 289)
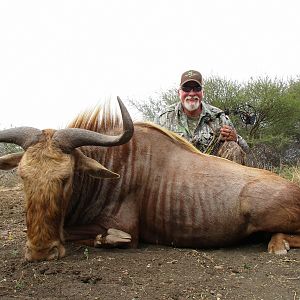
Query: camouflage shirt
point(201, 132)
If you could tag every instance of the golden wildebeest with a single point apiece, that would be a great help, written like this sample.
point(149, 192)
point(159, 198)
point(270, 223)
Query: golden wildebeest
point(164, 191)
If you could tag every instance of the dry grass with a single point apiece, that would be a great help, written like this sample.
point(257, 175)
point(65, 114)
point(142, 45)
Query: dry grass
point(291, 173)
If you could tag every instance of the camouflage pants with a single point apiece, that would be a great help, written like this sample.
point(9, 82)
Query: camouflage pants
point(232, 151)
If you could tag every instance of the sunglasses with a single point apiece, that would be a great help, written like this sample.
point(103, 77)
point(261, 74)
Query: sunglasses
point(188, 89)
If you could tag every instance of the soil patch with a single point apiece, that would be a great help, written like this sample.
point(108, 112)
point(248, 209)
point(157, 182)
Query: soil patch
point(150, 272)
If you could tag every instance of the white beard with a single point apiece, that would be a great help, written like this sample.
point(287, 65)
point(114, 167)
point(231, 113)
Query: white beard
point(191, 106)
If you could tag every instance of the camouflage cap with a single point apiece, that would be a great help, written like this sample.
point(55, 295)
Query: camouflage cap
point(191, 75)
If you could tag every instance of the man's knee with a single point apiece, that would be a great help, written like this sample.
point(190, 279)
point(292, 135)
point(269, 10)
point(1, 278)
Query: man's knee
point(232, 151)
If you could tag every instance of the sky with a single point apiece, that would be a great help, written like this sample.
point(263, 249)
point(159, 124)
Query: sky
point(60, 57)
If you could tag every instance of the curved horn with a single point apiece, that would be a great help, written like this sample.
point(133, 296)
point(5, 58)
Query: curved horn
point(71, 138)
point(22, 136)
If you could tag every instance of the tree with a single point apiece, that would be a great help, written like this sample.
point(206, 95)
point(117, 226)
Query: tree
point(218, 92)
point(6, 148)
point(293, 98)
point(150, 108)
point(222, 93)
point(277, 111)
point(273, 105)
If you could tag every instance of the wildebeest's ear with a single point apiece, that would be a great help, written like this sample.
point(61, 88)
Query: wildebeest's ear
point(92, 167)
point(10, 161)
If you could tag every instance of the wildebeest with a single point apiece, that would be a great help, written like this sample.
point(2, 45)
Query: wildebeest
point(161, 190)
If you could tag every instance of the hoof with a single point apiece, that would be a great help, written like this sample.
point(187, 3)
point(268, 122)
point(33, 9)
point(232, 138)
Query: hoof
point(113, 237)
point(279, 248)
point(279, 252)
point(118, 233)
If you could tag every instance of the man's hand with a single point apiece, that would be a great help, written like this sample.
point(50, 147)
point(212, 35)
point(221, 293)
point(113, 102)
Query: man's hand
point(228, 133)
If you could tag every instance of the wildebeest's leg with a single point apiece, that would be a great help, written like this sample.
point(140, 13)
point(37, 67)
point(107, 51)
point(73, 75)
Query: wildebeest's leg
point(85, 235)
point(113, 237)
point(116, 225)
point(280, 243)
point(122, 223)
point(273, 206)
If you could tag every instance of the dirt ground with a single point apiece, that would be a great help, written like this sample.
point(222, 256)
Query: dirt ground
point(150, 272)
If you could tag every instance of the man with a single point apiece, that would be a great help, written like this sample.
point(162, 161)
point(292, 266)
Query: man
point(205, 126)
